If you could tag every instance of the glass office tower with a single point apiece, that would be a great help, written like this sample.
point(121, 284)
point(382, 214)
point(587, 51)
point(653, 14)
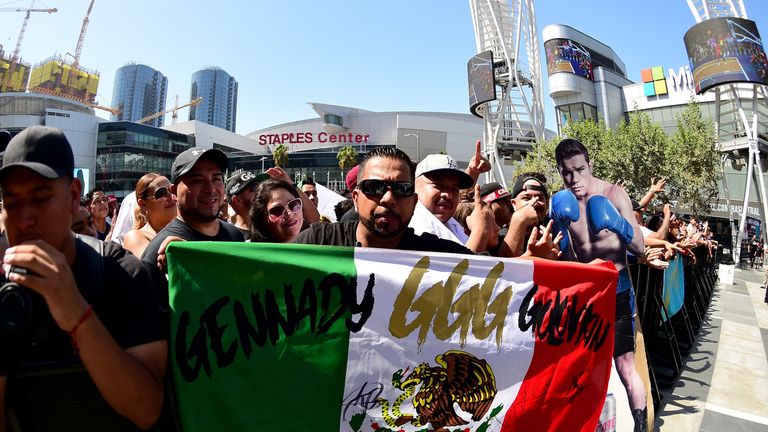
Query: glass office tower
point(219, 92)
point(138, 92)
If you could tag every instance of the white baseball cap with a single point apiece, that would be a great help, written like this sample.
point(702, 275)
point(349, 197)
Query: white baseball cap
point(443, 163)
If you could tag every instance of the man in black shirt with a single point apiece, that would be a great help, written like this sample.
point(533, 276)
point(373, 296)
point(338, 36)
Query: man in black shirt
point(384, 199)
point(197, 177)
point(97, 308)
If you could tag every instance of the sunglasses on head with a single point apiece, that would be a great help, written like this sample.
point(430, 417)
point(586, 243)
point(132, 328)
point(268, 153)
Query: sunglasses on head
point(278, 211)
point(160, 193)
point(374, 187)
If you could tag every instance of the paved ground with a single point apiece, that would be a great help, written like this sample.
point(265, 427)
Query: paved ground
point(724, 386)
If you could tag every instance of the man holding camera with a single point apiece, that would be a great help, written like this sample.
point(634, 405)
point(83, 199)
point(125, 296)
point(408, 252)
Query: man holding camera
point(96, 306)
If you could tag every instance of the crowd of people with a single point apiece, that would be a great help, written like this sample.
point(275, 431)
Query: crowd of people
point(117, 324)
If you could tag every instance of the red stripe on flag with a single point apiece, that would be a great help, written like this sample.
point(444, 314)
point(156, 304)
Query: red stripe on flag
point(566, 383)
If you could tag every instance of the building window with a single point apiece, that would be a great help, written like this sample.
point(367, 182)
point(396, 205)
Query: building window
point(333, 119)
point(574, 112)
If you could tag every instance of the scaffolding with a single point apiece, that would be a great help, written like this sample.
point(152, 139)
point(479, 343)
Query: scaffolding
point(741, 112)
point(515, 120)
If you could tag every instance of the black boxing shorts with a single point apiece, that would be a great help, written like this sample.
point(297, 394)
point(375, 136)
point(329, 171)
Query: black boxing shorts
point(624, 335)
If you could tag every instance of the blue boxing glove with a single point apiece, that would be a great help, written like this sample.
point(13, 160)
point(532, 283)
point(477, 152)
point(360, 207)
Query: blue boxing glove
point(563, 211)
point(601, 214)
point(564, 208)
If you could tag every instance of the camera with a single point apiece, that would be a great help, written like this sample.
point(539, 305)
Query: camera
point(22, 310)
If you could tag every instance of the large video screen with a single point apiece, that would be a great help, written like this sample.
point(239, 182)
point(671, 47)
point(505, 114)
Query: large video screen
point(482, 86)
point(725, 50)
point(565, 55)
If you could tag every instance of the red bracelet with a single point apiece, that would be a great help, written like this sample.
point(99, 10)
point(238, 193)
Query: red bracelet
point(73, 333)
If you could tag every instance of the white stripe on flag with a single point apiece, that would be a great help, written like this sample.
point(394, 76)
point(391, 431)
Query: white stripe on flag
point(375, 354)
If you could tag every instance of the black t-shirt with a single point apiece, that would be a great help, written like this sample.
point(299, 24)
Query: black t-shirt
point(123, 301)
point(103, 235)
point(350, 216)
point(179, 228)
point(345, 234)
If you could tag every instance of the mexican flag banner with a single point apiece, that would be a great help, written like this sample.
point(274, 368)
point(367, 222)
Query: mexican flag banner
point(283, 337)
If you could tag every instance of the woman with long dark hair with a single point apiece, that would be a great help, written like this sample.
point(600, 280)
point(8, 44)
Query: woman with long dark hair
point(276, 212)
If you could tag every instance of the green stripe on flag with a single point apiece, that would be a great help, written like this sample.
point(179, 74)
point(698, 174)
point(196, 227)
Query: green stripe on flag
point(273, 335)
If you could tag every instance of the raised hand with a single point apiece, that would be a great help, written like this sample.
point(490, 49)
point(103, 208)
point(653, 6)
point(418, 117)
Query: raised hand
point(478, 164)
point(278, 173)
point(658, 186)
point(481, 215)
point(544, 246)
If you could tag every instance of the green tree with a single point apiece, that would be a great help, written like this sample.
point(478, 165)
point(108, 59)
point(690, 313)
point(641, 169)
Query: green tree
point(541, 159)
point(694, 160)
point(347, 157)
point(280, 155)
point(636, 155)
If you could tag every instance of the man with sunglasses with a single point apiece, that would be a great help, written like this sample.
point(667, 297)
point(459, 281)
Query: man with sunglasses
point(241, 188)
point(197, 178)
point(384, 199)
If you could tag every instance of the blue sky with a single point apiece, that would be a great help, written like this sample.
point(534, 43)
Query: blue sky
point(392, 55)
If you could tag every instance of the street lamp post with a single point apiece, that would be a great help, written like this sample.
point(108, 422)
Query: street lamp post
point(263, 158)
point(418, 149)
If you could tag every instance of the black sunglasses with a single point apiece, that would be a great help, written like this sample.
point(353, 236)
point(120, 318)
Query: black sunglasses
point(160, 193)
point(377, 188)
point(278, 211)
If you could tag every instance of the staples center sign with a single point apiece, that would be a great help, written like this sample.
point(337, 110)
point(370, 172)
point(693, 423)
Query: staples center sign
point(309, 138)
point(656, 84)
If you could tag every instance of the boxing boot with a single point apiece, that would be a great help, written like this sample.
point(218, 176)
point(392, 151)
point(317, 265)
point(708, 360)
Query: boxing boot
point(641, 419)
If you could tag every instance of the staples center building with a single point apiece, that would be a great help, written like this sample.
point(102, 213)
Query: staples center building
point(314, 143)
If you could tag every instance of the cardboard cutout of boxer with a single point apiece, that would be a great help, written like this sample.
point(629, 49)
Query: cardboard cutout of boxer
point(598, 218)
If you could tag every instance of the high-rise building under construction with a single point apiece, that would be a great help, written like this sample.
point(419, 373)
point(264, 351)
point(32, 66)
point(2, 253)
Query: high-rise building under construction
point(219, 92)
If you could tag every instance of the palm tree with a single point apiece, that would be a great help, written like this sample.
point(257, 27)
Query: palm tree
point(280, 155)
point(347, 157)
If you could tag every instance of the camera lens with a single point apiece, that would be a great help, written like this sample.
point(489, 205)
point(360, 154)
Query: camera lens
point(16, 308)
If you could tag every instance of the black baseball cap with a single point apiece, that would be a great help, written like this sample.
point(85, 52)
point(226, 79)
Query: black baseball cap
point(242, 180)
point(636, 205)
point(520, 185)
point(42, 149)
point(5, 137)
point(493, 191)
point(188, 158)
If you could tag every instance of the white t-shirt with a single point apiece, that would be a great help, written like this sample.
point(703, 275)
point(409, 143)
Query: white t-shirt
point(424, 221)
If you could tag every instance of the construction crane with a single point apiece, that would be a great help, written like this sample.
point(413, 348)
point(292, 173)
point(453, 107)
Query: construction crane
point(15, 56)
point(81, 38)
point(174, 110)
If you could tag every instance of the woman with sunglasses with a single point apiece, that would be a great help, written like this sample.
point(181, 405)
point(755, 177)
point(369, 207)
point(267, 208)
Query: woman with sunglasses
point(156, 208)
point(276, 213)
